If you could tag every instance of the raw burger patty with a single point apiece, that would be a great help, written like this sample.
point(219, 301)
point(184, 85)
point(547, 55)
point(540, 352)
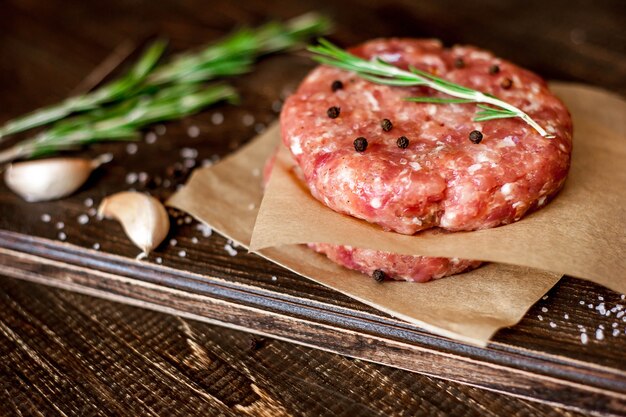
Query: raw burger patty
point(442, 178)
point(395, 266)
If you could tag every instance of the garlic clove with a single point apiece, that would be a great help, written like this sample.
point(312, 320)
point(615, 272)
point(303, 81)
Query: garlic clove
point(143, 218)
point(50, 179)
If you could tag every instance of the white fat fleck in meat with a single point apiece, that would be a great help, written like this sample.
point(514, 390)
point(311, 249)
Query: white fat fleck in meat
point(506, 142)
point(372, 100)
point(473, 168)
point(415, 165)
point(507, 189)
point(541, 201)
point(417, 221)
point(376, 203)
point(403, 161)
point(516, 204)
point(390, 57)
point(562, 147)
point(431, 109)
point(480, 55)
point(447, 218)
point(296, 148)
point(481, 157)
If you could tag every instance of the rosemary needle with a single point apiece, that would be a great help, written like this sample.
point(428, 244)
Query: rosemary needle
point(380, 72)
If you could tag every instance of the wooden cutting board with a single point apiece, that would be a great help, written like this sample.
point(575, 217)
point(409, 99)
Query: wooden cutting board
point(546, 357)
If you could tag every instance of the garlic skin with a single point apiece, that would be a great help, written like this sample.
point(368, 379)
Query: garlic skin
point(50, 179)
point(143, 218)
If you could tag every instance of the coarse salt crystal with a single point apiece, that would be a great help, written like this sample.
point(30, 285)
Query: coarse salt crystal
point(194, 240)
point(540, 317)
point(615, 332)
point(193, 131)
point(182, 253)
point(96, 246)
point(60, 225)
point(231, 251)
point(247, 119)
point(599, 334)
point(131, 148)
point(544, 310)
point(88, 202)
point(151, 138)
point(545, 297)
point(189, 153)
point(173, 242)
point(584, 338)
point(552, 324)
point(566, 316)
point(131, 178)
point(62, 236)
point(188, 219)
point(92, 212)
point(83, 219)
point(274, 278)
point(601, 298)
point(46, 218)
point(217, 118)
point(204, 229)
point(159, 260)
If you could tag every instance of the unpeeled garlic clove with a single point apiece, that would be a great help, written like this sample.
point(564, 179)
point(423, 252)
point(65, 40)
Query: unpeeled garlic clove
point(143, 218)
point(50, 179)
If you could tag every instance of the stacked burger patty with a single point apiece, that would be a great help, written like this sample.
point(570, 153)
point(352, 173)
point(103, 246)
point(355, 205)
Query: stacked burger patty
point(364, 151)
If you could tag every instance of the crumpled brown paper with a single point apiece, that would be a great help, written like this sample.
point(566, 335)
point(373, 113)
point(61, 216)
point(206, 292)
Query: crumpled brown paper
point(581, 233)
point(469, 307)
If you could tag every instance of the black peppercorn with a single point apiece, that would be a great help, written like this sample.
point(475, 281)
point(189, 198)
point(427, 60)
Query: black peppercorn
point(506, 83)
point(386, 125)
point(494, 69)
point(402, 142)
point(336, 85)
point(333, 112)
point(360, 144)
point(379, 275)
point(475, 136)
point(459, 63)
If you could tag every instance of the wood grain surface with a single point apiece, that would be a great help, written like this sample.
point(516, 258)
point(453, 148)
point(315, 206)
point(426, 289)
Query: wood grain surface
point(76, 355)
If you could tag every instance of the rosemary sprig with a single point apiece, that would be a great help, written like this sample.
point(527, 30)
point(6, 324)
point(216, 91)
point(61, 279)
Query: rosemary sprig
point(122, 121)
point(380, 72)
point(231, 56)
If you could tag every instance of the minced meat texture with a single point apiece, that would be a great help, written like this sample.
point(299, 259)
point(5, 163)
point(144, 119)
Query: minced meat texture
point(442, 178)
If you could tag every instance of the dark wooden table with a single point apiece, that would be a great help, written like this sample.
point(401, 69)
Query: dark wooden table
point(70, 354)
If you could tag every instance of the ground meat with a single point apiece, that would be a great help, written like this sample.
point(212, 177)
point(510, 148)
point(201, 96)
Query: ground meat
point(441, 179)
point(395, 266)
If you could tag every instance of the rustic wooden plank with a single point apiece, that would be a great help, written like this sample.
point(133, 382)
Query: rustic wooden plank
point(534, 375)
point(72, 354)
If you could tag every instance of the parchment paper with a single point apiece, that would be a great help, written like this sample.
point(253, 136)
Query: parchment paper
point(470, 307)
point(581, 233)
